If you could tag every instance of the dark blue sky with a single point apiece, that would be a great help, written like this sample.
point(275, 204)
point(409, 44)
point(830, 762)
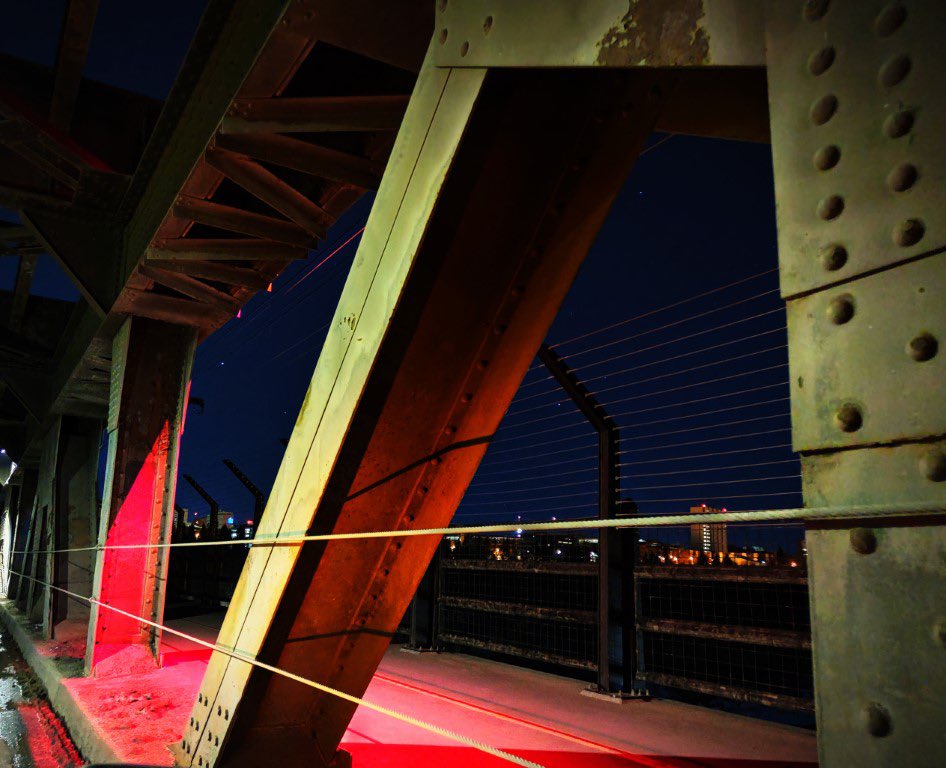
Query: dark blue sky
point(696, 214)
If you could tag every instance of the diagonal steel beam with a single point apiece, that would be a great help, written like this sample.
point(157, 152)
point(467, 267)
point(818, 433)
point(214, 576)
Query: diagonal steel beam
point(491, 200)
point(70, 60)
point(303, 156)
point(315, 114)
point(272, 190)
point(245, 222)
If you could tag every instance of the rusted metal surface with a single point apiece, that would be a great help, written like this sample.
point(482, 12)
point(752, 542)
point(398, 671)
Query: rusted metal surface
point(602, 33)
point(730, 691)
point(657, 34)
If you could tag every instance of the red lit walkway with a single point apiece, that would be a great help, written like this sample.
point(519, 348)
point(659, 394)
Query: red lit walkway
point(536, 715)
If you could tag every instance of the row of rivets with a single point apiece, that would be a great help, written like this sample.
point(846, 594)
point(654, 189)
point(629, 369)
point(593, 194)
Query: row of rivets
point(465, 45)
point(901, 178)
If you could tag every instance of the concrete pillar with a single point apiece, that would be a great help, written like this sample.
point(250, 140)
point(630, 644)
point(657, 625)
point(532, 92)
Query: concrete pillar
point(151, 363)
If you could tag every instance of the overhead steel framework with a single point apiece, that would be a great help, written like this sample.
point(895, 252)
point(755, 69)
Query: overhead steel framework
point(511, 143)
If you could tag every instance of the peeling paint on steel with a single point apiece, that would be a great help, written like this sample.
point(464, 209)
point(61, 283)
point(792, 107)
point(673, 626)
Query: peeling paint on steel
point(666, 33)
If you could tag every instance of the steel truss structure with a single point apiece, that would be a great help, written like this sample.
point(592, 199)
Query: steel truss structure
point(522, 125)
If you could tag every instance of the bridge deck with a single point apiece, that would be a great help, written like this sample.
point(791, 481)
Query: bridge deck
point(534, 714)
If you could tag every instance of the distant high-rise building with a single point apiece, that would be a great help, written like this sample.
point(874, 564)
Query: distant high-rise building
point(707, 537)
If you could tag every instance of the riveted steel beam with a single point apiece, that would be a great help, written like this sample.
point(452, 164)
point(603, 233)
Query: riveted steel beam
point(599, 33)
point(436, 326)
point(859, 164)
point(151, 363)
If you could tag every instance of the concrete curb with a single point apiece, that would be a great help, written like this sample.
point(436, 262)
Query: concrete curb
point(89, 741)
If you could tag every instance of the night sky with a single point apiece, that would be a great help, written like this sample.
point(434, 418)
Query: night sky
point(699, 389)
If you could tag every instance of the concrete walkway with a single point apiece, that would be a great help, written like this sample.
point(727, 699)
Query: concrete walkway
point(538, 716)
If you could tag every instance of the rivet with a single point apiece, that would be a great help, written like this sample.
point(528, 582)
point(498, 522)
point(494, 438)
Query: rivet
point(467, 397)
point(813, 10)
point(436, 461)
point(863, 541)
point(443, 36)
point(464, 48)
point(192, 721)
point(908, 232)
point(901, 178)
point(226, 714)
point(423, 490)
point(820, 61)
point(939, 632)
point(849, 418)
point(823, 109)
point(200, 761)
point(200, 698)
point(830, 207)
point(483, 365)
point(209, 736)
point(933, 465)
point(195, 726)
point(890, 19)
point(499, 330)
point(187, 748)
point(827, 157)
point(450, 430)
point(518, 290)
point(841, 309)
point(877, 719)
point(898, 125)
point(487, 25)
point(833, 257)
point(219, 710)
point(894, 71)
point(923, 347)
point(216, 741)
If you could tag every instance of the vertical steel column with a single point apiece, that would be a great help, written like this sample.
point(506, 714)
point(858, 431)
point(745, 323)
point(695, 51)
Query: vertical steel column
point(26, 495)
point(859, 150)
point(151, 363)
point(616, 625)
point(38, 601)
point(424, 607)
point(75, 517)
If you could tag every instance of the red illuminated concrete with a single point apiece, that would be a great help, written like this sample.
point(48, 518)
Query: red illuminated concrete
point(535, 715)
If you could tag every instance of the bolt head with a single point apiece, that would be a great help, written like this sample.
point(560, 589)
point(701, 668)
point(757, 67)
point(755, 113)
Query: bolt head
point(863, 541)
point(877, 719)
point(849, 418)
point(933, 465)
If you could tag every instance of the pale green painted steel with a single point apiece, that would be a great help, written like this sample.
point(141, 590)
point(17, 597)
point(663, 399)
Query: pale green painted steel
point(858, 146)
point(594, 33)
point(844, 87)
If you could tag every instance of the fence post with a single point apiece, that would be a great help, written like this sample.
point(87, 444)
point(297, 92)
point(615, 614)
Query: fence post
point(616, 547)
point(423, 635)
